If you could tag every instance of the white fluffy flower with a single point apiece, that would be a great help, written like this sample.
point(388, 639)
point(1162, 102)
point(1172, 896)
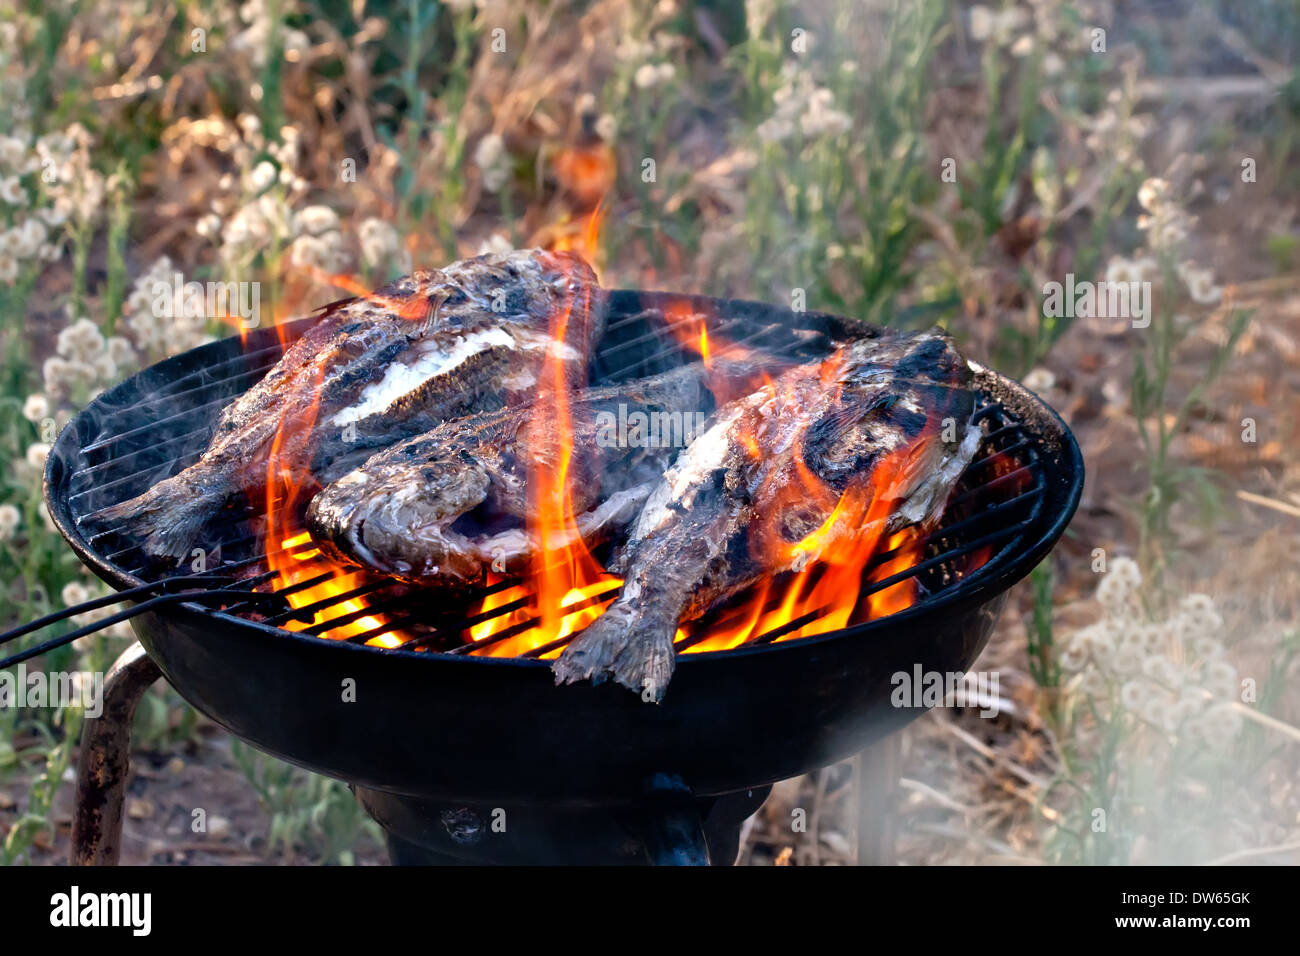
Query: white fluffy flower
point(1218, 726)
point(996, 25)
point(81, 341)
point(325, 251)
point(802, 105)
point(1220, 678)
point(37, 452)
point(74, 593)
point(36, 408)
point(1133, 695)
point(1126, 572)
point(1200, 285)
point(1201, 617)
point(1039, 380)
point(492, 160)
point(495, 244)
point(12, 152)
point(1098, 640)
point(1113, 595)
point(1188, 706)
point(650, 75)
point(314, 220)
point(1147, 269)
point(1151, 192)
point(25, 240)
point(262, 176)
point(1074, 657)
point(981, 22)
point(1120, 270)
point(1163, 671)
point(12, 192)
point(57, 214)
point(379, 242)
point(10, 519)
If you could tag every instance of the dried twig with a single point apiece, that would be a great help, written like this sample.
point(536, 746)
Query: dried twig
point(1282, 506)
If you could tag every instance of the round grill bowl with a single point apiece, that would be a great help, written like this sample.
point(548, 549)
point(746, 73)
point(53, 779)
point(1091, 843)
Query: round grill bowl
point(459, 728)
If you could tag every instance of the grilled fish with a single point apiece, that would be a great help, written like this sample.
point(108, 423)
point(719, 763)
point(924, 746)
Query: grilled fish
point(377, 369)
point(745, 498)
point(401, 512)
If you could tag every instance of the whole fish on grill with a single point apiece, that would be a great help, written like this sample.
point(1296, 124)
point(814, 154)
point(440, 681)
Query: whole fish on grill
point(404, 512)
point(737, 501)
point(377, 369)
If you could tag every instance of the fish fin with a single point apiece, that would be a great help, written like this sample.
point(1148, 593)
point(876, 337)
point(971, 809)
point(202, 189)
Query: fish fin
point(430, 320)
point(635, 650)
point(169, 517)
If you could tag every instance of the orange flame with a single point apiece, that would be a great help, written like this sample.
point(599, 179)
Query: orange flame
point(303, 574)
point(563, 573)
point(563, 570)
point(838, 566)
point(583, 237)
point(831, 585)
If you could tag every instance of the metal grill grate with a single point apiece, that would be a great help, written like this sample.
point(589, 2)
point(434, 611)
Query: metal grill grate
point(998, 499)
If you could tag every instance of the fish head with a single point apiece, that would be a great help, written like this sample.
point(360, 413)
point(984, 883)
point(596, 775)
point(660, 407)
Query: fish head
point(532, 287)
point(400, 522)
point(924, 355)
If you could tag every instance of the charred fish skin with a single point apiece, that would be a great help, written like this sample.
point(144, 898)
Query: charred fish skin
point(396, 513)
point(709, 528)
point(375, 370)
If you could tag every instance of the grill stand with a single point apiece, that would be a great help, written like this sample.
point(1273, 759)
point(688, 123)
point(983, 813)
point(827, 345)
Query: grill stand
point(105, 761)
point(667, 827)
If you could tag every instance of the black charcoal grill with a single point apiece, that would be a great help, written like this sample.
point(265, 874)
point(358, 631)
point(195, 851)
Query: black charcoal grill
point(465, 757)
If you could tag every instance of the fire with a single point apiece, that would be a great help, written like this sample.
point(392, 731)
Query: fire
point(840, 568)
point(819, 599)
point(583, 237)
point(303, 575)
point(837, 566)
point(563, 570)
point(568, 588)
point(353, 608)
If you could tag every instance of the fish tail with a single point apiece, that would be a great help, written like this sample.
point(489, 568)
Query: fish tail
point(633, 648)
point(166, 519)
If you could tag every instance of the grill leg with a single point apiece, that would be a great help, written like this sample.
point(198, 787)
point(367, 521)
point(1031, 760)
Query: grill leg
point(878, 769)
point(105, 761)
